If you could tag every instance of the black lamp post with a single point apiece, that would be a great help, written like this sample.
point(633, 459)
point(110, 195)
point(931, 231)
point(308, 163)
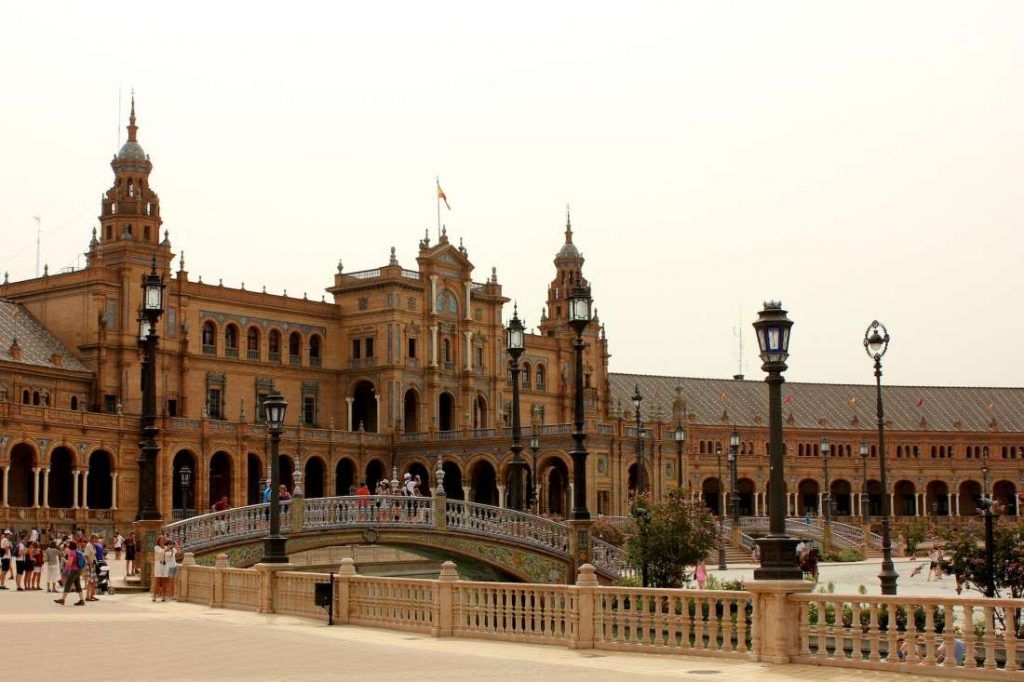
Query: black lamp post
point(734, 499)
point(826, 447)
point(985, 503)
point(152, 308)
point(515, 343)
point(680, 437)
point(641, 473)
point(579, 318)
point(185, 479)
point(720, 506)
point(876, 343)
point(274, 407)
point(865, 499)
point(533, 502)
point(778, 550)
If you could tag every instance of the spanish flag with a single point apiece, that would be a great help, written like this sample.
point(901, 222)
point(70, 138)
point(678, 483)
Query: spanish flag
point(441, 196)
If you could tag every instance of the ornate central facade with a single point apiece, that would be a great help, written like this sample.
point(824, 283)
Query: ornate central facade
point(406, 364)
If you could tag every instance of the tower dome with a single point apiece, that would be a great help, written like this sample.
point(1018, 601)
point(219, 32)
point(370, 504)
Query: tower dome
point(568, 250)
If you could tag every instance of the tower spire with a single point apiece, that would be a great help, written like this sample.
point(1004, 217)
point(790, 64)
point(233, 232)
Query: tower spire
point(568, 226)
point(132, 128)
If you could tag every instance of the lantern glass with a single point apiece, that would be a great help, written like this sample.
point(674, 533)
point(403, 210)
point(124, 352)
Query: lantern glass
point(718, 447)
point(274, 408)
point(515, 339)
point(534, 442)
point(863, 449)
point(680, 434)
point(579, 306)
point(734, 440)
point(154, 296)
point(875, 343)
point(825, 446)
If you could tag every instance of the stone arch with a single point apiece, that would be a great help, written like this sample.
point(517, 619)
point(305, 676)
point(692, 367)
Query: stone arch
point(453, 479)
point(480, 420)
point(274, 344)
point(807, 497)
point(872, 498)
point(936, 499)
point(61, 479)
point(841, 493)
point(1005, 493)
point(315, 477)
point(554, 475)
point(219, 474)
point(345, 476)
point(182, 494)
point(745, 490)
point(22, 457)
point(411, 411)
point(446, 411)
point(969, 494)
point(231, 340)
point(364, 406)
point(315, 350)
point(99, 489)
point(209, 337)
point(483, 476)
point(295, 348)
point(287, 475)
point(904, 498)
point(375, 472)
point(252, 343)
point(711, 492)
point(254, 477)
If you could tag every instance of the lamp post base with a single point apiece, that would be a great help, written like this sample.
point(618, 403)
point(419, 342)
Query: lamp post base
point(778, 559)
point(273, 550)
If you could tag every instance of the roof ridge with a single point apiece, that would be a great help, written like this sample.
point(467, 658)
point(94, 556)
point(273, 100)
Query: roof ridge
point(817, 383)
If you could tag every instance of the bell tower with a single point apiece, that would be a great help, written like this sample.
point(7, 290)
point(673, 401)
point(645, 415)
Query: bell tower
point(568, 272)
point(130, 209)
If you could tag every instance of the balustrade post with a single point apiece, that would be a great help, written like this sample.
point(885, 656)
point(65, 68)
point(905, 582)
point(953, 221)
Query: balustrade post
point(342, 589)
point(586, 584)
point(776, 619)
point(298, 504)
point(217, 593)
point(443, 624)
point(182, 575)
point(580, 543)
point(440, 512)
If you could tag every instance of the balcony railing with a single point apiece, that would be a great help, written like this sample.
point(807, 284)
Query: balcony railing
point(361, 363)
point(231, 352)
point(295, 359)
point(274, 356)
point(314, 361)
point(209, 350)
point(252, 354)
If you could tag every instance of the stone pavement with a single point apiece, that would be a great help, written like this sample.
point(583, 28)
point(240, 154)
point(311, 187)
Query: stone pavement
point(129, 637)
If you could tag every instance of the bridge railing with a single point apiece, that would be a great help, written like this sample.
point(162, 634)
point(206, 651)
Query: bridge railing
point(373, 510)
point(609, 559)
point(799, 527)
point(505, 523)
point(218, 527)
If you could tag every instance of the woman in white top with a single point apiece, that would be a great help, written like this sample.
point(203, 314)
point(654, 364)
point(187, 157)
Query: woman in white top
point(171, 551)
point(161, 569)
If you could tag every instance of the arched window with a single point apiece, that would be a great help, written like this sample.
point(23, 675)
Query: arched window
point(525, 375)
point(447, 303)
point(74, 402)
point(35, 399)
point(26, 397)
point(231, 341)
point(540, 377)
point(209, 338)
point(314, 350)
point(295, 348)
point(447, 349)
point(252, 344)
point(274, 346)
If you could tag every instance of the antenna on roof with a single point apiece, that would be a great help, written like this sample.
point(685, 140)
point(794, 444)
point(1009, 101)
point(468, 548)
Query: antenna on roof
point(737, 331)
point(39, 233)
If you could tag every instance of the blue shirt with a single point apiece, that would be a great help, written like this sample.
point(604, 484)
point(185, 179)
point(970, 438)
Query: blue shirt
point(266, 494)
point(99, 551)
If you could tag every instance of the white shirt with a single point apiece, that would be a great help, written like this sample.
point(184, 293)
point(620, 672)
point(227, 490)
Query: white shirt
point(118, 541)
point(33, 536)
point(5, 548)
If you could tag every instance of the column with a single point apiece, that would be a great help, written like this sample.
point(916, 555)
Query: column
point(918, 506)
point(351, 426)
point(7, 476)
point(466, 493)
point(85, 489)
point(35, 486)
point(757, 504)
point(46, 488)
point(501, 496)
point(821, 504)
point(433, 345)
point(469, 288)
point(855, 503)
point(892, 503)
point(469, 351)
point(113, 490)
point(74, 491)
point(433, 294)
point(376, 400)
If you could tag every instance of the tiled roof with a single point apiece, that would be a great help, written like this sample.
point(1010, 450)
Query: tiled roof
point(841, 406)
point(37, 344)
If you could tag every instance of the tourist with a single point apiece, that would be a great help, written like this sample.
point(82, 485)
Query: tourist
point(33, 565)
point(810, 563)
point(172, 568)
point(6, 553)
point(959, 652)
point(935, 566)
point(160, 569)
point(266, 494)
point(382, 487)
point(408, 485)
point(221, 504)
point(19, 562)
point(283, 494)
point(363, 491)
point(701, 574)
point(51, 563)
point(130, 549)
point(118, 545)
point(91, 570)
point(418, 489)
point(74, 564)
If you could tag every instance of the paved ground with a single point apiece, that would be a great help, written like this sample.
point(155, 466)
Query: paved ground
point(171, 641)
point(848, 577)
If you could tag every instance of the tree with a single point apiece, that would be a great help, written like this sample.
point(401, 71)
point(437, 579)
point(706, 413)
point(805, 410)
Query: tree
point(965, 556)
point(668, 537)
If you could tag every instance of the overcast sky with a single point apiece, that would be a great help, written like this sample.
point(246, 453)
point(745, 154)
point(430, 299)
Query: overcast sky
point(856, 160)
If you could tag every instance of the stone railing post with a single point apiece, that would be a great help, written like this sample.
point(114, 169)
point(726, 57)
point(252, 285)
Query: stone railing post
point(181, 578)
point(580, 543)
point(342, 586)
point(443, 600)
point(298, 513)
point(866, 542)
point(217, 593)
point(267, 590)
point(736, 537)
point(586, 582)
point(440, 511)
point(826, 540)
point(777, 618)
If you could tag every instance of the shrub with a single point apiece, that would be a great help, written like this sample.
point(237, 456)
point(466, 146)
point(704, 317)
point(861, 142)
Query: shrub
point(845, 554)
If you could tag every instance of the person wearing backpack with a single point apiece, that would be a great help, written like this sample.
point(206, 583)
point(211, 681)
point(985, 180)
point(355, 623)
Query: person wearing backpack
point(73, 566)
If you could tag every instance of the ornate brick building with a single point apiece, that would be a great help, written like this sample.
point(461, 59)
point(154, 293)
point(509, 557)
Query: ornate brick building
point(403, 366)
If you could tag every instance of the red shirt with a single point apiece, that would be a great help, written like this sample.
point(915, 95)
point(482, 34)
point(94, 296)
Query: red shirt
point(221, 505)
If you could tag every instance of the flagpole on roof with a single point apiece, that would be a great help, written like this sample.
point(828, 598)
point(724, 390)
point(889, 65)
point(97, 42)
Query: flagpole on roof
point(437, 198)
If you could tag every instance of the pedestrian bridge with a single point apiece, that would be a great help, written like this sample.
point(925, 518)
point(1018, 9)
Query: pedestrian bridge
point(529, 547)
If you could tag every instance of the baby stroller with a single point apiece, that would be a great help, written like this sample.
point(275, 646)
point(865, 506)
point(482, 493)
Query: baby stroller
point(103, 578)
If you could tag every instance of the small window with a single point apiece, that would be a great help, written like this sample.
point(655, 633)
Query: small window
point(309, 410)
point(357, 345)
point(213, 403)
point(35, 398)
point(369, 348)
point(26, 397)
point(74, 402)
point(447, 350)
point(478, 360)
point(412, 348)
point(172, 407)
point(110, 404)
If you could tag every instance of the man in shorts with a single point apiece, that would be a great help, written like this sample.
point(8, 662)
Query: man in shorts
point(72, 575)
point(89, 550)
point(6, 549)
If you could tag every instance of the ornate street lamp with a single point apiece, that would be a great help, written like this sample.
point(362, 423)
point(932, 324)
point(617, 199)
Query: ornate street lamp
point(985, 505)
point(579, 318)
point(274, 408)
point(876, 343)
point(734, 501)
point(720, 506)
point(534, 449)
point(515, 338)
point(641, 474)
point(826, 447)
point(679, 435)
point(865, 498)
point(152, 309)
point(778, 550)
point(185, 479)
